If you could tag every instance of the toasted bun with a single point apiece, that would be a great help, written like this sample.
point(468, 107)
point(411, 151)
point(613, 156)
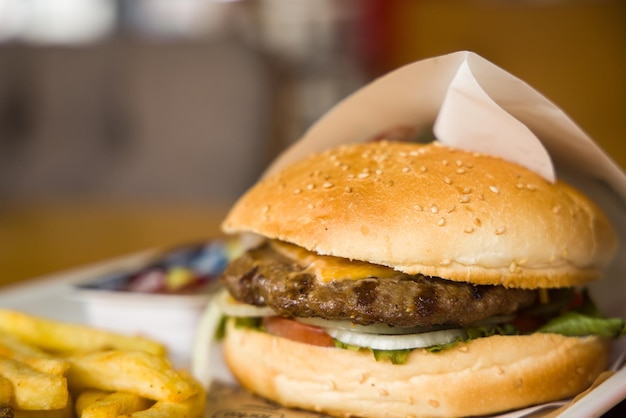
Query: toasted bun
point(433, 210)
point(484, 376)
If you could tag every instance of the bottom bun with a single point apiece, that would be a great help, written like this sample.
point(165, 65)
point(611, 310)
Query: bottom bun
point(485, 376)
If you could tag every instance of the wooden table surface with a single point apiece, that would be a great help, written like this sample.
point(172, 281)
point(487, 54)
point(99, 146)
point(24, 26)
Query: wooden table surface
point(39, 238)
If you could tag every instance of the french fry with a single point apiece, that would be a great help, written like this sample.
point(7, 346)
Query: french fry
point(32, 389)
point(66, 412)
point(139, 372)
point(60, 337)
point(86, 398)
point(192, 407)
point(42, 360)
point(114, 405)
point(6, 391)
point(13, 347)
point(6, 398)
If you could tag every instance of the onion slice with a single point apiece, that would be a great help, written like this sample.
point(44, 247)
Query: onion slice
point(398, 341)
point(231, 307)
point(204, 342)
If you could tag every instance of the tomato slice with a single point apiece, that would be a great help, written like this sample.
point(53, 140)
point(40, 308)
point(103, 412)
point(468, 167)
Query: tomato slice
point(525, 323)
point(297, 331)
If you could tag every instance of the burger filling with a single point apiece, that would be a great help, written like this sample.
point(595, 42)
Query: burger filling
point(267, 277)
point(328, 301)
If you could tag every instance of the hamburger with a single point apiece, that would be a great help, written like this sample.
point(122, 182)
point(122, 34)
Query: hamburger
point(396, 279)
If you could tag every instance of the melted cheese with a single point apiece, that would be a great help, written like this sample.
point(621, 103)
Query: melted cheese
point(327, 268)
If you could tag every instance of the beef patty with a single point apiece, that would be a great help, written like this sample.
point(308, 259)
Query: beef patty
point(265, 277)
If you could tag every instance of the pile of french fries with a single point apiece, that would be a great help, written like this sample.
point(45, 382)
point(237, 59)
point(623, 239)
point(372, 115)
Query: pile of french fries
point(52, 369)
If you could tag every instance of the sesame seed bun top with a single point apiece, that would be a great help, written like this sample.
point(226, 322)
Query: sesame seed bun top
point(433, 210)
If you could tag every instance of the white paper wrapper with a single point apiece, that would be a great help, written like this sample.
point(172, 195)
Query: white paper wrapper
point(469, 103)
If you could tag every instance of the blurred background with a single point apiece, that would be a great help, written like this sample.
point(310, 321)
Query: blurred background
point(133, 124)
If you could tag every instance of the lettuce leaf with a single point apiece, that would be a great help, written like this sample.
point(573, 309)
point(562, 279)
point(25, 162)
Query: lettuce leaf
point(577, 324)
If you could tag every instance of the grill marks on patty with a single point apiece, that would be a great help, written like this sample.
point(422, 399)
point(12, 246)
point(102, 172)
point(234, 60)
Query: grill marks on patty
point(265, 277)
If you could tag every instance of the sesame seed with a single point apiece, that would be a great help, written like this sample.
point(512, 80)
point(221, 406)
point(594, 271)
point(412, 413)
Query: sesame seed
point(469, 230)
point(513, 267)
point(494, 189)
point(451, 209)
point(447, 180)
point(418, 208)
point(500, 230)
point(459, 163)
point(310, 186)
point(310, 206)
point(381, 158)
point(460, 170)
point(434, 403)
point(389, 183)
point(463, 349)
point(466, 190)
point(297, 191)
point(434, 208)
point(531, 187)
point(423, 169)
point(464, 199)
point(414, 153)
point(445, 163)
point(266, 209)
point(519, 186)
point(477, 222)
point(445, 262)
point(442, 222)
point(328, 185)
point(363, 175)
point(348, 189)
point(379, 172)
point(405, 169)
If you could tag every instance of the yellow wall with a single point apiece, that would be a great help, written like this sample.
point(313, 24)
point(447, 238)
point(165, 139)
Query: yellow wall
point(574, 52)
